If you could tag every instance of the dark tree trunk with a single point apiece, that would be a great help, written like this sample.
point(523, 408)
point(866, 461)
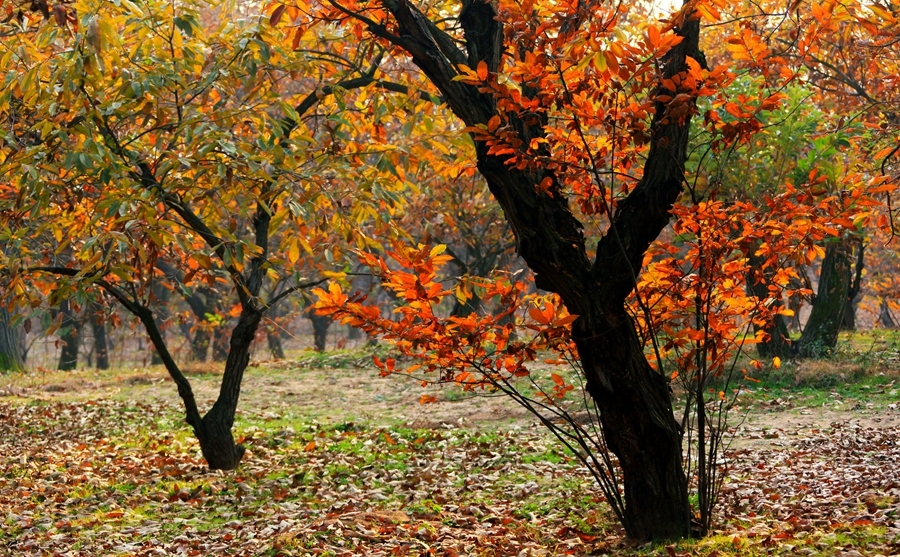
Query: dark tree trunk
point(161, 296)
point(821, 331)
point(70, 335)
point(12, 340)
point(778, 341)
point(214, 432)
point(848, 315)
point(848, 319)
point(634, 403)
point(101, 343)
point(320, 325)
point(885, 317)
point(200, 343)
point(470, 306)
point(276, 348)
point(203, 302)
point(220, 343)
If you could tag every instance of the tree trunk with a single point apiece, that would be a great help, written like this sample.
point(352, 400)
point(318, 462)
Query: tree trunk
point(778, 340)
point(821, 331)
point(885, 317)
point(200, 343)
point(214, 432)
point(11, 343)
point(276, 348)
point(638, 425)
point(320, 324)
point(634, 403)
point(70, 337)
point(220, 343)
point(101, 344)
point(848, 319)
point(161, 296)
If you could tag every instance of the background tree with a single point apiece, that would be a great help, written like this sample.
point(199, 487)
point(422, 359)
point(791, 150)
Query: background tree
point(139, 137)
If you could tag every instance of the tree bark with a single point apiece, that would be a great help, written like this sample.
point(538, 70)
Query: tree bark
point(320, 324)
point(161, 296)
point(101, 342)
point(635, 407)
point(273, 338)
point(11, 343)
point(220, 345)
point(885, 317)
point(778, 340)
point(821, 331)
point(70, 337)
point(848, 320)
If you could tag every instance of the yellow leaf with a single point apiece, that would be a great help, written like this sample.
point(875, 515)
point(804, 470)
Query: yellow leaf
point(776, 361)
point(294, 251)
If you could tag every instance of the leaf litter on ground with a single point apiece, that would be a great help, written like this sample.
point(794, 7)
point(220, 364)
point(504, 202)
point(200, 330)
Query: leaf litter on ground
point(105, 477)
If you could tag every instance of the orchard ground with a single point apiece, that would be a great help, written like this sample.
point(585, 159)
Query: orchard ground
point(343, 462)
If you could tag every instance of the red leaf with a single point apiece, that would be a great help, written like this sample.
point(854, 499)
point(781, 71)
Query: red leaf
point(276, 15)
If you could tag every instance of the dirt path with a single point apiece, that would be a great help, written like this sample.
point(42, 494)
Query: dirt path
point(351, 391)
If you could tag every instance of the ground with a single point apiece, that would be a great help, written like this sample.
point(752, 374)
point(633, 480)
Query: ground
point(344, 462)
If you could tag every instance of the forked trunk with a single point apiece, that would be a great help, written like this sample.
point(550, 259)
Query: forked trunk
point(885, 317)
point(217, 442)
point(635, 408)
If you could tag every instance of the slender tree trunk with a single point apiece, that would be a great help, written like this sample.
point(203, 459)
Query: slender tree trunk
point(778, 341)
point(161, 297)
point(320, 325)
point(70, 337)
point(214, 433)
point(220, 343)
point(276, 348)
point(11, 343)
point(885, 317)
point(821, 331)
point(848, 319)
point(200, 343)
point(101, 343)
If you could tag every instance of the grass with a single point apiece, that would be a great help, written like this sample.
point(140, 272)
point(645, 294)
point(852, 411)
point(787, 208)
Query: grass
point(425, 474)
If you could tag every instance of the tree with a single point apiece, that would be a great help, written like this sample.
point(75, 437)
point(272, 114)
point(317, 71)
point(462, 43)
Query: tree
point(582, 138)
point(137, 136)
point(515, 151)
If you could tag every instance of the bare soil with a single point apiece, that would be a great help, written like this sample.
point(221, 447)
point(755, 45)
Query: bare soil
point(341, 389)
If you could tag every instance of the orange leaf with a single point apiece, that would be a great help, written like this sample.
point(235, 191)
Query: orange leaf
point(653, 36)
point(309, 446)
point(563, 321)
point(538, 316)
point(482, 71)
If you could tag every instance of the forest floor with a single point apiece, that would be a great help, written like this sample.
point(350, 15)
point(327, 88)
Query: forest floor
point(343, 462)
